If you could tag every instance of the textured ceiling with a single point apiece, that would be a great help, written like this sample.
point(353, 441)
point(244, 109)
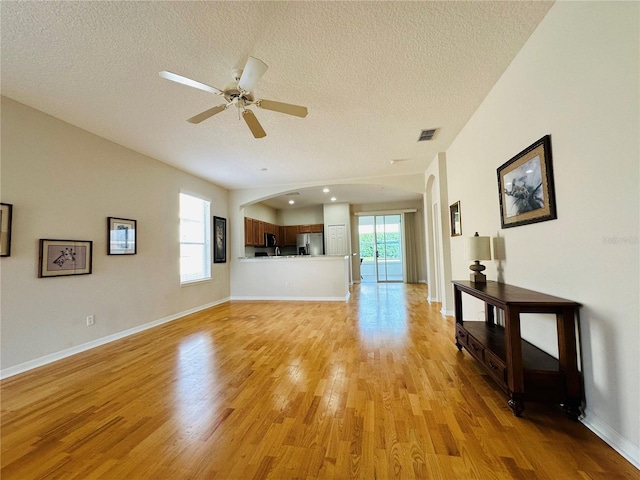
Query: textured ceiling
point(372, 74)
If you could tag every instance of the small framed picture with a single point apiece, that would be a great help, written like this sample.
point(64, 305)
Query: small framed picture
point(5, 229)
point(219, 240)
point(122, 239)
point(525, 186)
point(455, 219)
point(65, 257)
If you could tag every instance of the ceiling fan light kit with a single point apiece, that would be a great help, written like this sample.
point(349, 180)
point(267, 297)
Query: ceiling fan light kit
point(240, 94)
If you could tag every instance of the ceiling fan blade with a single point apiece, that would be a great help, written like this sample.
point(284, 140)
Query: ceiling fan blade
point(253, 124)
point(201, 117)
point(174, 77)
point(253, 71)
point(287, 108)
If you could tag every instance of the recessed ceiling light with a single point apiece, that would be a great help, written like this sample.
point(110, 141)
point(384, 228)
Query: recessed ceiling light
point(326, 190)
point(291, 202)
point(333, 199)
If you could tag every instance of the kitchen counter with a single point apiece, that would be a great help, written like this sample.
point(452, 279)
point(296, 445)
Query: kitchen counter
point(292, 257)
point(294, 277)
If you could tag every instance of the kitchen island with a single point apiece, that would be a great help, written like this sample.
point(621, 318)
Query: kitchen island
point(299, 277)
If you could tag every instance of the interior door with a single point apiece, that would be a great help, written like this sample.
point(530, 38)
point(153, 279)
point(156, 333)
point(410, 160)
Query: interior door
point(336, 240)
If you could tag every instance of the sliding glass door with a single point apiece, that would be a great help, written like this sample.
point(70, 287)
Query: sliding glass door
point(381, 256)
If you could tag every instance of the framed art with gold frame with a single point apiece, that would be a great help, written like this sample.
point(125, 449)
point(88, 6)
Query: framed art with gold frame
point(525, 186)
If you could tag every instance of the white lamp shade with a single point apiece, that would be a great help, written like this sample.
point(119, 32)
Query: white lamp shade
point(478, 248)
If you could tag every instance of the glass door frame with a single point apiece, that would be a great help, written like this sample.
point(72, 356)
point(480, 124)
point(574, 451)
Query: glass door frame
point(379, 251)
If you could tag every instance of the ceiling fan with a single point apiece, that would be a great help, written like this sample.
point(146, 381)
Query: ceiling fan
point(239, 93)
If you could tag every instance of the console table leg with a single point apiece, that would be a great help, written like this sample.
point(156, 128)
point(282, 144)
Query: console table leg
point(573, 409)
point(516, 404)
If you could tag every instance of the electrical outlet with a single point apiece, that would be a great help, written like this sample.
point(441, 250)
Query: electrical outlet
point(287, 285)
point(90, 320)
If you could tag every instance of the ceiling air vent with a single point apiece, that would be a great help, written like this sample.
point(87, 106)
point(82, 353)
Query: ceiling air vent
point(426, 135)
point(291, 194)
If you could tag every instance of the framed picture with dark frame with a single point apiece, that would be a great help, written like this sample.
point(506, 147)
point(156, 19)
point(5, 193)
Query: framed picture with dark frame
point(219, 240)
point(65, 257)
point(6, 211)
point(525, 186)
point(456, 219)
point(121, 236)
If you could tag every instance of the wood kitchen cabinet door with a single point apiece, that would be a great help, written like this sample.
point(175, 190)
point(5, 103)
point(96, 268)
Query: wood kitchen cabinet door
point(314, 228)
point(248, 231)
point(290, 234)
point(258, 233)
point(261, 233)
point(279, 233)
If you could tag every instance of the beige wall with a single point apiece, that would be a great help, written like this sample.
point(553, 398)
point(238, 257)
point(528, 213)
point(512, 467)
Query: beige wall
point(64, 182)
point(576, 79)
point(261, 212)
point(301, 216)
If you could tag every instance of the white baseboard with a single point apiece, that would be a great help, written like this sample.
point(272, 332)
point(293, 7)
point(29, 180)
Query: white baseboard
point(293, 299)
point(616, 441)
point(53, 357)
point(447, 313)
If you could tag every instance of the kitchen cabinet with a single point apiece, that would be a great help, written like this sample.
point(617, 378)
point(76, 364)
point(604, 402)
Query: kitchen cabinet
point(290, 234)
point(270, 228)
point(258, 233)
point(254, 231)
point(315, 228)
point(248, 231)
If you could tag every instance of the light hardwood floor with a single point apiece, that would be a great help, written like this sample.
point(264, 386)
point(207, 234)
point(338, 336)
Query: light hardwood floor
point(372, 388)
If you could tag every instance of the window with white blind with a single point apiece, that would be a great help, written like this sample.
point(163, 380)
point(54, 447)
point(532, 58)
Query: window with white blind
point(195, 239)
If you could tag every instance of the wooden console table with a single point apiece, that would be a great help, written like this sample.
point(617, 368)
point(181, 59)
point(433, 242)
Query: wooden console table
point(522, 370)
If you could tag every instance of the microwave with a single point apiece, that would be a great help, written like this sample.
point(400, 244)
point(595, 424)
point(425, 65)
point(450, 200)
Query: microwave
point(269, 240)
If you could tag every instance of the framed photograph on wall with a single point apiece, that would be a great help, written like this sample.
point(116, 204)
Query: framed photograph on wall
point(65, 257)
point(525, 186)
point(219, 240)
point(456, 219)
point(122, 238)
point(6, 210)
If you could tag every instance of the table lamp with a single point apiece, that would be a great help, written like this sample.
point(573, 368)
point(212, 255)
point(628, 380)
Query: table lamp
point(478, 248)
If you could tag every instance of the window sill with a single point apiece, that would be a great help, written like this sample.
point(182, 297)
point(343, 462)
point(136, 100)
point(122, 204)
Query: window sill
point(194, 282)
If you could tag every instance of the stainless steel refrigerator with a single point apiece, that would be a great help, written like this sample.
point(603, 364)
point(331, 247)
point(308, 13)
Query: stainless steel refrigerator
point(310, 243)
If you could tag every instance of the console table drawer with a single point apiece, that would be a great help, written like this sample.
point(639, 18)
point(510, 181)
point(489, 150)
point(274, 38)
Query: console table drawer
point(496, 367)
point(476, 348)
point(462, 336)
